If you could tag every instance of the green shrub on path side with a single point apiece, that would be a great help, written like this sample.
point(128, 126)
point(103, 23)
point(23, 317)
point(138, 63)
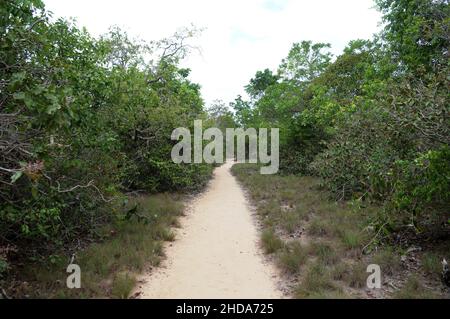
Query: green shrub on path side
point(373, 122)
point(271, 243)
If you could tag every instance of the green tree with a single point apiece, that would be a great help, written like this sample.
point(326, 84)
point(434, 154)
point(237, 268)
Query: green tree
point(305, 61)
point(261, 81)
point(418, 31)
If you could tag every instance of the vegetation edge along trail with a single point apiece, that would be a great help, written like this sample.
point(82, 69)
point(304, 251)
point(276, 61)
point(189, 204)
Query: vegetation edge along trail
point(85, 132)
point(216, 253)
point(318, 244)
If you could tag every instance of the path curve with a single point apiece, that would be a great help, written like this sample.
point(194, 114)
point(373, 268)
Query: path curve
point(216, 253)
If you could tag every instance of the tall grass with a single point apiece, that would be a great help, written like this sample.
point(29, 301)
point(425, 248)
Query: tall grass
point(318, 242)
point(108, 266)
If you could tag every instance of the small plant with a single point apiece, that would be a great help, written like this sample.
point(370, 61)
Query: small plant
point(340, 271)
point(413, 289)
point(122, 285)
point(325, 252)
point(319, 227)
point(431, 264)
point(290, 222)
point(293, 257)
point(317, 280)
point(271, 242)
point(388, 260)
point(356, 276)
point(351, 239)
point(4, 266)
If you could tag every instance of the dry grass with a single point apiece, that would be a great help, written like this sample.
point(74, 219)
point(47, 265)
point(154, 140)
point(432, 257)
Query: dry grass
point(317, 283)
point(432, 263)
point(326, 253)
point(122, 285)
point(388, 259)
point(414, 289)
point(271, 242)
point(328, 263)
point(107, 266)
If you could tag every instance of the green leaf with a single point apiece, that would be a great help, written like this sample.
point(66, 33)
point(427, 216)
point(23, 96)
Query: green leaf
point(16, 176)
point(52, 108)
point(34, 191)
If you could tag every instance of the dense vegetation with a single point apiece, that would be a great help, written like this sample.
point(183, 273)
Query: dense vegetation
point(320, 245)
point(373, 123)
point(82, 122)
point(85, 122)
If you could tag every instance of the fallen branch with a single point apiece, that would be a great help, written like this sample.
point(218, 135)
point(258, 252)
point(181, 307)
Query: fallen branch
point(9, 170)
point(374, 238)
point(90, 184)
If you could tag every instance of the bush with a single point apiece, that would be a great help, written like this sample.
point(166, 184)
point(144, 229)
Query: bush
point(396, 152)
point(81, 121)
point(293, 257)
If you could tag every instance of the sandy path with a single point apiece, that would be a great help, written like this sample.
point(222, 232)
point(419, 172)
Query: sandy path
point(216, 254)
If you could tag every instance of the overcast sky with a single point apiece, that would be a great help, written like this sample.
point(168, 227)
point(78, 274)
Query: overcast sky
point(240, 36)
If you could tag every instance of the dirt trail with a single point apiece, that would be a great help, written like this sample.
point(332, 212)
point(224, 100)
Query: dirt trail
point(216, 253)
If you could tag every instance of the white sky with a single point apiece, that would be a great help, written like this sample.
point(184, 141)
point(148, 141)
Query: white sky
point(241, 36)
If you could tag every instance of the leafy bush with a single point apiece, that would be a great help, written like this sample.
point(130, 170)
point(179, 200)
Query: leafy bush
point(82, 120)
point(396, 150)
point(372, 123)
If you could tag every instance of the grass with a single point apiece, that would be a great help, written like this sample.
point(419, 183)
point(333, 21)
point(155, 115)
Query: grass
point(320, 227)
point(352, 239)
point(107, 266)
point(316, 283)
point(293, 203)
point(290, 221)
point(122, 285)
point(356, 277)
point(271, 242)
point(388, 260)
point(339, 271)
point(413, 289)
point(327, 261)
point(325, 252)
point(293, 257)
point(353, 275)
point(432, 263)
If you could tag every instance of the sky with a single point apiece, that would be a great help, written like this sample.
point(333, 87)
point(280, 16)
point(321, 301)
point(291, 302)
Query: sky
point(239, 37)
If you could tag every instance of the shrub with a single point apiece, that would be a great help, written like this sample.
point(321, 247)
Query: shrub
point(271, 243)
point(81, 121)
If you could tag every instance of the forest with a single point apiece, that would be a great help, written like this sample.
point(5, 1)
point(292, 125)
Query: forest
point(86, 123)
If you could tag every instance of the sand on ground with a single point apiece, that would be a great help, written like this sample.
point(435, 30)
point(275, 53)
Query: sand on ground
point(216, 253)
